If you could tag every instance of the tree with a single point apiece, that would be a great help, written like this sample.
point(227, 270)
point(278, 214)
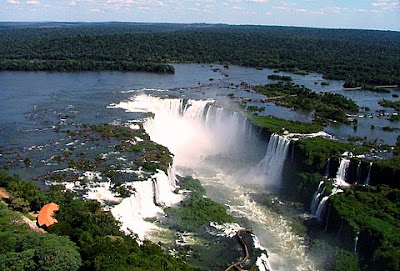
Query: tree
point(52, 252)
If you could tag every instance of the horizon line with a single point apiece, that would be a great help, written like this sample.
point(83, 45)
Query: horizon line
point(205, 23)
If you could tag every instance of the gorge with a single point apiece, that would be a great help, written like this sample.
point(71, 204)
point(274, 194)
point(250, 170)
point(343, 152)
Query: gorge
point(259, 174)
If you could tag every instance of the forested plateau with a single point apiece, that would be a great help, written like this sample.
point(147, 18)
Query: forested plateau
point(360, 57)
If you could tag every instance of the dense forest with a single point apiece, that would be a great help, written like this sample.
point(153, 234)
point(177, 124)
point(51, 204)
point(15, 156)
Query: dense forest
point(327, 106)
point(360, 57)
point(85, 237)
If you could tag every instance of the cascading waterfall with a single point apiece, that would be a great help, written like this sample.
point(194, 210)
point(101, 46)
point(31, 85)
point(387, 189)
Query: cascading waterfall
point(164, 188)
point(219, 147)
point(132, 211)
point(356, 241)
point(367, 180)
point(322, 205)
point(316, 197)
point(340, 179)
point(327, 168)
point(145, 200)
point(272, 164)
point(321, 208)
point(191, 129)
point(358, 172)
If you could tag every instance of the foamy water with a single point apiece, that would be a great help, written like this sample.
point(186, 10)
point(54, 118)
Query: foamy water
point(286, 250)
point(196, 132)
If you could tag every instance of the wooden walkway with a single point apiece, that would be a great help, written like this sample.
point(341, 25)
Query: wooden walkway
point(236, 266)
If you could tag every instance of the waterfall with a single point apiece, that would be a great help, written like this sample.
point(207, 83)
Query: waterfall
point(342, 171)
point(327, 167)
point(316, 198)
point(146, 195)
point(340, 180)
point(272, 164)
point(132, 211)
point(322, 205)
point(244, 125)
point(142, 199)
point(358, 172)
point(356, 241)
point(292, 156)
point(367, 180)
point(321, 208)
point(164, 194)
point(219, 147)
point(263, 263)
point(193, 129)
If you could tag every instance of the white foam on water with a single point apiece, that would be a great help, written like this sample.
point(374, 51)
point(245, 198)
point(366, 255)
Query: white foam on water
point(133, 211)
point(195, 131)
point(263, 263)
point(102, 192)
point(225, 229)
point(164, 189)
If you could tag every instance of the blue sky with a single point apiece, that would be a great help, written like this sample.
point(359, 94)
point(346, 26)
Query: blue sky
point(371, 14)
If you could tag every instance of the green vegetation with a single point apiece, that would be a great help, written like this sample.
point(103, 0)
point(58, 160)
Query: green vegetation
point(152, 156)
point(389, 129)
point(279, 77)
point(25, 196)
point(394, 118)
point(85, 238)
point(355, 139)
point(327, 106)
point(352, 85)
point(316, 150)
point(396, 150)
point(393, 104)
point(375, 213)
point(24, 250)
point(103, 246)
point(336, 53)
point(197, 210)
point(277, 125)
point(254, 108)
point(393, 164)
point(72, 65)
point(108, 131)
point(376, 89)
point(307, 186)
point(330, 257)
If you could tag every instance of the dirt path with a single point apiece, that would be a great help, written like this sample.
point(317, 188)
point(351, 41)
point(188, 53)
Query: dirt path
point(32, 224)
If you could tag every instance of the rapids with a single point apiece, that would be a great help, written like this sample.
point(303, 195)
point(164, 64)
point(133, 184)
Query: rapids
point(220, 148)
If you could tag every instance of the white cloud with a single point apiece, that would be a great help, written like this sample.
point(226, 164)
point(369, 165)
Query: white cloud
point(318, 12)
point(236, 8)
point(32, 2)
point(281, 7)
point(385, 5)
point(13, 2)
point(379, 4)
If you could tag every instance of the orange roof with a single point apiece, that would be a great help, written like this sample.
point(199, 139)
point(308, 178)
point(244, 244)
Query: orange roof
point(4, 194)
point(46, 215)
